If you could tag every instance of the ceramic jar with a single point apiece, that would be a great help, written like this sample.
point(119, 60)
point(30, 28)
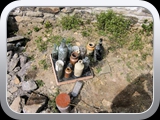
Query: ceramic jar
point(63, 51)
point(90, 48)
point(74, 57)
point(68, 72)
point(59, 68)
point(63, 102)
point(78, 68)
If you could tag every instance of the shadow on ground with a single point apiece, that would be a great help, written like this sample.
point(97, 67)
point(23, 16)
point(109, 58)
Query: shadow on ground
point(134, 98)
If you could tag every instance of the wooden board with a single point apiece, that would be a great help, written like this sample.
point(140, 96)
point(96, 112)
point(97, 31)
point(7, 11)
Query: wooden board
point(69, 80)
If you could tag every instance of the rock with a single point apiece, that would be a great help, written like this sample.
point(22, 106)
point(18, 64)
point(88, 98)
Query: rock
point(27, 8)
point(23, 60)
point(13, 62)
point(29, 85)
point(48, 15)
point(22, 18)
point(16, 13)
point(37, 20)
point(24, 69)
point(105, 68)
point(15, 38)
point(136, 94)
point(9, 77)
point(8, 94)
point(68, 10)
point(10, 46)
point(15, 106)
point(52, 10)
point(16, 69)
point(107, 104)
point(16, 80)
point(35, 103)
point(9, 56)
point(13, 89)
point(34, 14)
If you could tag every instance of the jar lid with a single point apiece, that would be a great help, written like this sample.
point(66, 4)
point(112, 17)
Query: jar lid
point(63, 100)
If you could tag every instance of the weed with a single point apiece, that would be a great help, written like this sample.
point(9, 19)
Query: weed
point(29, 31)
point(85, 33)
point(113, 24)
point(41, 45)
point(128, 77)
point(34, 67)
point(71, 22)
point(129, 65)
point(40, 83)
point(99, 69)
point(69, 40)
point(144, 55)
point(36, 29)
point(43, 64)
point(52, 102)
point(147, 27)
point(136, 44)
point(31, 57)
point(47, 24)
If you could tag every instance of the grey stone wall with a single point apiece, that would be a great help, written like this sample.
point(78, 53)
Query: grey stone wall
point(25, 15)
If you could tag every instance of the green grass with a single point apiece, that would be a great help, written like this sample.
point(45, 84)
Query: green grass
point(71, 22)
point(137, 44)
point(43, 64)
point(41, 45)
point(52, 102)
point(36, 29)
point(48, 24)
point(40, 83)
point(116, 26)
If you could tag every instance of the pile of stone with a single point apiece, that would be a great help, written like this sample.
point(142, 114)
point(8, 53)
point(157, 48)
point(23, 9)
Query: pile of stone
point(20, 93)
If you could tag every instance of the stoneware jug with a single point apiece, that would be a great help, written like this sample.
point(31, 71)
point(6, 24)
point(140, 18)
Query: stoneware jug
point(78, 68)
point(59, 68)
point(63, 51)
point(90, 48)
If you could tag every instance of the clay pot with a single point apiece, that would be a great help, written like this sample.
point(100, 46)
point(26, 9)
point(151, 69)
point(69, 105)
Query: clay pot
point(74, 57)
point(68, 72)
point(78, 68)
point(62, 102)
point(90, 48)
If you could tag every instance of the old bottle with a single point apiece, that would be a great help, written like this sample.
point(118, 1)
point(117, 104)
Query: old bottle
point(86, 62)
point(59, 65)
point(74, 57)
point(90, 48)
point(55, 52)
point(83, 51)
point(98, 52)
point(78, 68)
point(63, 51)
point(68, 72)
point(69, 46)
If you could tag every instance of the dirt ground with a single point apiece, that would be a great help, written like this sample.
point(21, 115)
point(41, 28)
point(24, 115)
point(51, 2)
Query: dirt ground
point(124, 87)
